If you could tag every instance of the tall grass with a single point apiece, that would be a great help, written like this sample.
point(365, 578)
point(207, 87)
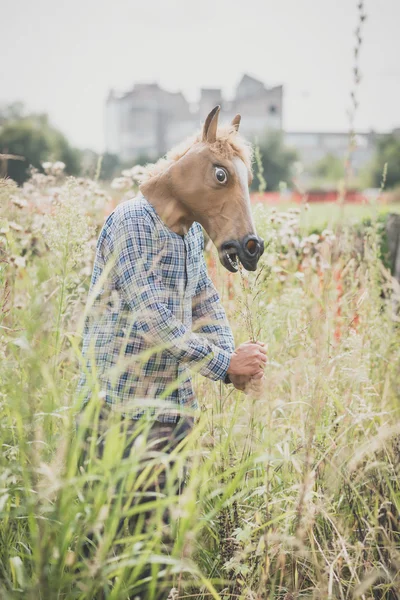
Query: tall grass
point(293, 495)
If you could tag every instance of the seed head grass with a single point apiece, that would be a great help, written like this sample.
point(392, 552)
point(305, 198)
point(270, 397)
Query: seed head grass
point(294, 494)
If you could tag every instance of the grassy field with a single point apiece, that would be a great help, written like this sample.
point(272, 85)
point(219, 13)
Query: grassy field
point(328, 215)
point(320, 214)
point(293, 492)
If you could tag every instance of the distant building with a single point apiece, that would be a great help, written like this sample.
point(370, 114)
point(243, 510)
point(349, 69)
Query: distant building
point(149, 120)
point(313, 146)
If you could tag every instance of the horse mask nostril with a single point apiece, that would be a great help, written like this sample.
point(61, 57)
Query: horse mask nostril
point(252, 247)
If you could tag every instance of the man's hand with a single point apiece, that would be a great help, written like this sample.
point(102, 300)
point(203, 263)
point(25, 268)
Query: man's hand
point(247, 362)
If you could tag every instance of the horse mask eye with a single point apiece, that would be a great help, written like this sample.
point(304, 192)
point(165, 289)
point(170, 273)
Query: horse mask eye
point(221, 175)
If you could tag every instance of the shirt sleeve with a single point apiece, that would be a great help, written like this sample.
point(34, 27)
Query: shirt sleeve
point(136, 255)
point(209, 318)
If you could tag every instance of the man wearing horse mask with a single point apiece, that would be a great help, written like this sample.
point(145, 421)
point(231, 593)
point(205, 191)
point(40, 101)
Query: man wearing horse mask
point(154, 314)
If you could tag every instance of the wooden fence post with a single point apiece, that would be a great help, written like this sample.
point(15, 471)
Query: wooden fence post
point(4, 158)
point(393, 236)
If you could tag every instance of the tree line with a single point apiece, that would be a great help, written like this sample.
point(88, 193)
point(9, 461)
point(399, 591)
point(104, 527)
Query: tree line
point(29, 139)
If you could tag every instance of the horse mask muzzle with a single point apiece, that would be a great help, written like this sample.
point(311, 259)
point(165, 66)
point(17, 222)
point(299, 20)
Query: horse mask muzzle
point(247, 251)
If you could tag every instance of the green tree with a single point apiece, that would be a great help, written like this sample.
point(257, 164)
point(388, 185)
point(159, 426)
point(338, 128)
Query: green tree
point(10, 112)
point(110, 166)
point(277, 161)
point(330, 169)
point(33, 138)
point(144, 159)
point(387, 152)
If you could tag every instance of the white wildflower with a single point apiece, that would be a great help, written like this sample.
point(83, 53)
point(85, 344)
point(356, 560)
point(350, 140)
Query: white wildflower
point(313, 239)
point(28, 188)
point(328, 235)
point(39, 180)
point(67, 229)
point(51, 169)
point(58, 167)
point(287, 231)
point(137, 172)
point(19, 261)
point(121, 183)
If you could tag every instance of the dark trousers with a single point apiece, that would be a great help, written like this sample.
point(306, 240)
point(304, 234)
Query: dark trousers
point(159, 439)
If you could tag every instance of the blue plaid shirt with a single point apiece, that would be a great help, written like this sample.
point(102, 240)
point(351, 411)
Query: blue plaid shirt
point(153, 315)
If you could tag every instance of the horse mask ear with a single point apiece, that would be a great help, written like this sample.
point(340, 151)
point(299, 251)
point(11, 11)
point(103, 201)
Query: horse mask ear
point(236, 122)
point(210, 126)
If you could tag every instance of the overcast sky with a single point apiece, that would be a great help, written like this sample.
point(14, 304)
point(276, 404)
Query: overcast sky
point(62, 57)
